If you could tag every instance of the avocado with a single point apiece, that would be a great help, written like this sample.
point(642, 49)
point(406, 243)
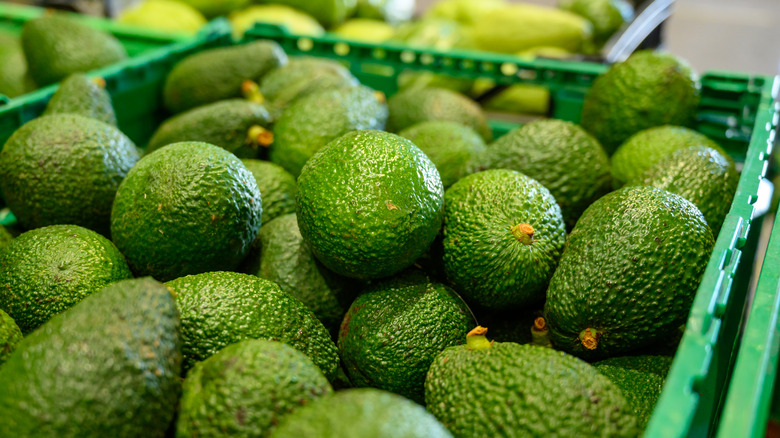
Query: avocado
point(413, 106)
point(390, 11)
point(360, 413)
point(217, 74)
point(395, 328)
point(78, 94)
point(450, 145)
point(14, 77)
point(487, 389)
point(5, 237)
point(329, 13)
point(48, 270)
point(640, 378)
point(701, 175)
point(10, 336)
point(606, 16)
point(365, 30)
point(369, 204)
point(236, 125)
point(503, 236)
point(277, 187)
point(281, 255)
point(57, 46)
point(646, 90)
point(210, 306)
point(64, 169)
point(313, 121)
point(169, 16)
point(646, 148)
point(629, 273)
point(184, 209)
point(466, 12)
point(561, 156)
point(107, 367)
point(293, 20)
point(244, 389)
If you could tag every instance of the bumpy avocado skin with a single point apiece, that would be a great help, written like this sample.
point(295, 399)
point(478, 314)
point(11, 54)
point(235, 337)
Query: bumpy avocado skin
point(393, 330)
point(47, 270)
point(65, 169)
point(10, 336)
point(564, 158)
point(514, 390)
point(218, 74)
point(79, 94)
point(107, 367)
point(648, 89)
point(369, 204)
point(184, 209)
point(483, 257)
point(629, 272)
point(301, 77)
point(277, 187)
point(360, 413)
point(222, 308)
point(246, 389)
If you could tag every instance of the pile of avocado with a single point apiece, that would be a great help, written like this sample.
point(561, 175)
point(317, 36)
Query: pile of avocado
point(296, 254)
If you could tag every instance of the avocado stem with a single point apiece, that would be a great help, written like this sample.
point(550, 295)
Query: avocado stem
point(380, 96)
point(100, 82)
point(476, 340)
point(540, 335)
point(524, 233)
point(251, 92)
point(259, 136)
point(589, 338)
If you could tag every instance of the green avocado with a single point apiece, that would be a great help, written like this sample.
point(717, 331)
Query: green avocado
point(218, 74)
point(369, 204)
point(329, 13)
point(14, 77)
point(107, 367)
point(50, 269)
point(184, 209)
point(277, 187)
point(10, 336)
point(65, 169)
point(393, 330)
point(78, 94)
point(361, 413)
point(221, 308)
point(236, 125)
point(648, 89)
point(629, 273)
point(246, 388)
point(313, 121)
point(503, 236)
point(606, 16)
point(491, 389)
point(57, 46)
point(5, 237)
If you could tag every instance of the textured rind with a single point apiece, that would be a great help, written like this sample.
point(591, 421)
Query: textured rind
point(185, 209)
point(109, 366)
point(79, 94)
point(224, 124)
point(10, 336)
point(512, 390)
point(450, 145)
point(309, 124)
point(648, 89)
point(47, 270)
point(56, 46)
point(221, 308)
point(361, 413)
point(640, 378)
point(413, 106)
point(562, 156)
point(630, 271)
point(246, 388)
point(281, 255)
point(65, 169)
point(369, 204)
point(277, 188)
point(482, 259)
point(5, 237)
point(646, 148)
point(701, 175)
point(393, 330)
point(217, 74)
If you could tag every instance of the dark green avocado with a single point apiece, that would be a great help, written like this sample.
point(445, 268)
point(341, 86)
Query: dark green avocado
point(78, 94)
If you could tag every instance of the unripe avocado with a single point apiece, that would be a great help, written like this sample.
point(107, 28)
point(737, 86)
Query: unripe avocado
point(109, 366)
point(219, 74)
point(369, 204)
point(503, 236)
point(222, 308)
point(65, 169)
point(329, 13)
point(15, 80)
point(5, 237)
point(629, 273)
point(10, 336)
point(246, 388)
point(78, 94)
point(184, 209)
point(277, 187)
point(47, 270)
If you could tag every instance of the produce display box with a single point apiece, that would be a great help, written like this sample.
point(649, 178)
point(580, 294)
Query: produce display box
point(737, 110)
